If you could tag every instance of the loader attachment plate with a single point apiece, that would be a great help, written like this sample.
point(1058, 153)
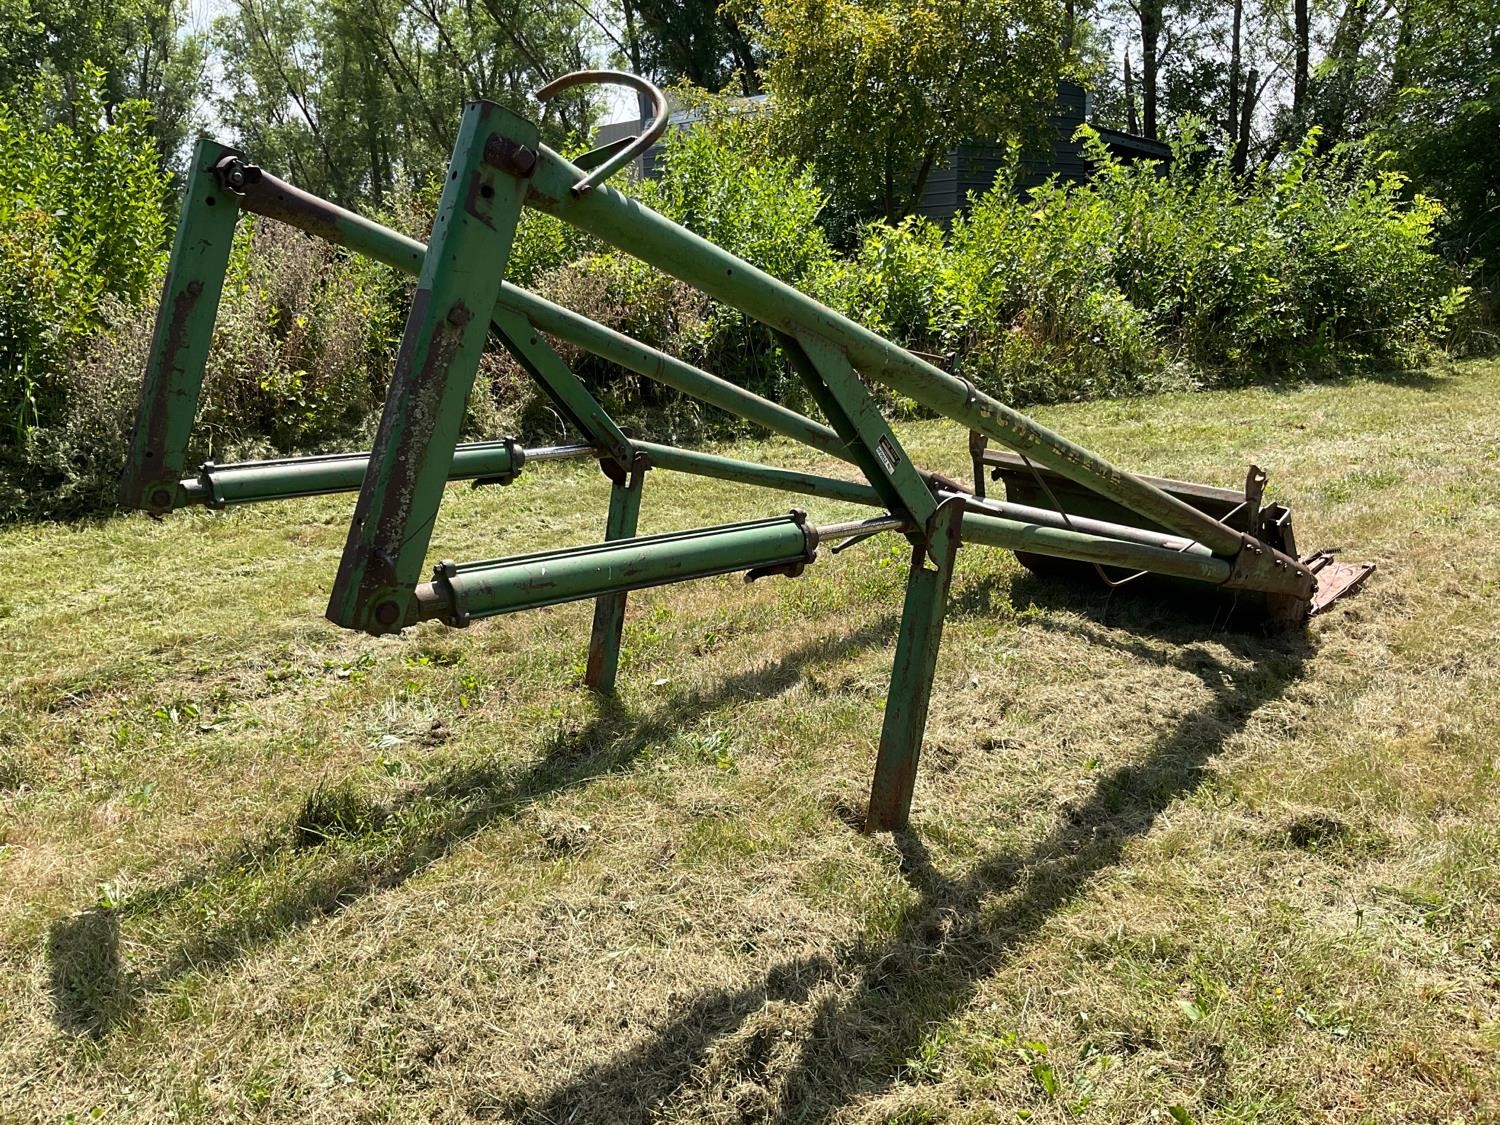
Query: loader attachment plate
point(1335, 579)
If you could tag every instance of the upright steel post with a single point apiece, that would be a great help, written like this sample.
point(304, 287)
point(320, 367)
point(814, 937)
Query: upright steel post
point(609, 609)
point(910, 692)
point(435, 368)
point(184, 330)
point(621, 463)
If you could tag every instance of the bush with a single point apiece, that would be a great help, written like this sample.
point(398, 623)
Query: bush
point(715, 180)
point(1148, 277)
point(1140, 279)
point(81, 223)
point(303, 349)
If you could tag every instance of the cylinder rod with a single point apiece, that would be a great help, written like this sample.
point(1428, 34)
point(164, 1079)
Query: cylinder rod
point(249, 482)
point(993, 531)
point(747, 472)
point(1046, 517)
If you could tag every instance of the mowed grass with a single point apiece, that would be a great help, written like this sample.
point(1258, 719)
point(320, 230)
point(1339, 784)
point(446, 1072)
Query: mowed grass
point(255, 867)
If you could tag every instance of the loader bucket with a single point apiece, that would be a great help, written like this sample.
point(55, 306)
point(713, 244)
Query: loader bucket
point(1242, 510)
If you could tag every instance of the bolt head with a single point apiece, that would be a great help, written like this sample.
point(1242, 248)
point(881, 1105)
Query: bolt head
point(387, 613)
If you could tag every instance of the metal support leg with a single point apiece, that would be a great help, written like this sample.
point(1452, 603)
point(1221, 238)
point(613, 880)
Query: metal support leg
point(911, 678)
point(375, 589)
point(609, 609)
point(184, 331)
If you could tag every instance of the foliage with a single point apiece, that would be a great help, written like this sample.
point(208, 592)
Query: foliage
point(1446, 118)
point(1140, 279)
point(716, 180)
point(1145, 277)
point(874, 92)
point(94, 56)
point(703, 42)
point(302, 352)
point(80, 221)
point(355, 99)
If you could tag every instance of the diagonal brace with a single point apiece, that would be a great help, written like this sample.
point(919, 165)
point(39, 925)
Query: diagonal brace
point(562, 385)
point(856, 417)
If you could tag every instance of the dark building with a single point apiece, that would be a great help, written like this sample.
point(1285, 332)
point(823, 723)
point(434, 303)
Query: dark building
point(970, 168)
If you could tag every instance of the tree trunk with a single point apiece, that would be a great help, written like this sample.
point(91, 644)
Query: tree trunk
point(1132, 125)
point(1336, 93)
point(1247, 115)
point(633, 46)
point(923, 174)
point(744, 56)
point(1401, 64)
point(1232, 122)
point(1302, 31)
point(1151, 20)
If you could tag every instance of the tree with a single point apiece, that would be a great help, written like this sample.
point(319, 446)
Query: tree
point(1444, 118)
point(875, 92)
point(97, 55)
point(355, 97)
point(699, 41)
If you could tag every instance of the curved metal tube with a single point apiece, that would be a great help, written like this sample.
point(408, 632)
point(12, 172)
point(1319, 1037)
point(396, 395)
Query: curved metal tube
point(640, 144)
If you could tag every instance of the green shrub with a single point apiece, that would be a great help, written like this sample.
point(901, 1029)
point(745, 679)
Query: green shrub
point(81, 221)
point(1140, 279)
point(1148, 277)
point(716, 180)
point(303, 350)
point(302, 346)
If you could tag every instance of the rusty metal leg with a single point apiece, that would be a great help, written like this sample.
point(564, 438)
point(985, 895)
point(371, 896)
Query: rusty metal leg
point(375, 588)
point(609, 609)
point(911, 678)
point(184, 331)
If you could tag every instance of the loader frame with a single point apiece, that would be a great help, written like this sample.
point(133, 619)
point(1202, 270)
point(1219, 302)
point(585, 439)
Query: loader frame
point(1112, 519)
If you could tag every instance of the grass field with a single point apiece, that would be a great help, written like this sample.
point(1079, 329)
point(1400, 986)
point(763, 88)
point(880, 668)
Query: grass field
point(252, 866)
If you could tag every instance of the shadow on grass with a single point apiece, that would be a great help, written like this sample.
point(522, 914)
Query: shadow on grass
point(354, 850)
point(1342, 374)
point(960, 931)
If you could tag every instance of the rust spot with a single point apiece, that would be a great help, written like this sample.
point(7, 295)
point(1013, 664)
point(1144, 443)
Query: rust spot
point(405, 430)
point(144, 492)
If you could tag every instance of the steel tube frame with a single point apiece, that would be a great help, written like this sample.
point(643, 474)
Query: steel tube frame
point(914, 668)
point(498, 168)
point(896, 367)
point(631, 226)
point(766, 476)
point(291, 478)
point(276, 199)
point(180, 340)
point(375, 587)
point(1015, 535)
